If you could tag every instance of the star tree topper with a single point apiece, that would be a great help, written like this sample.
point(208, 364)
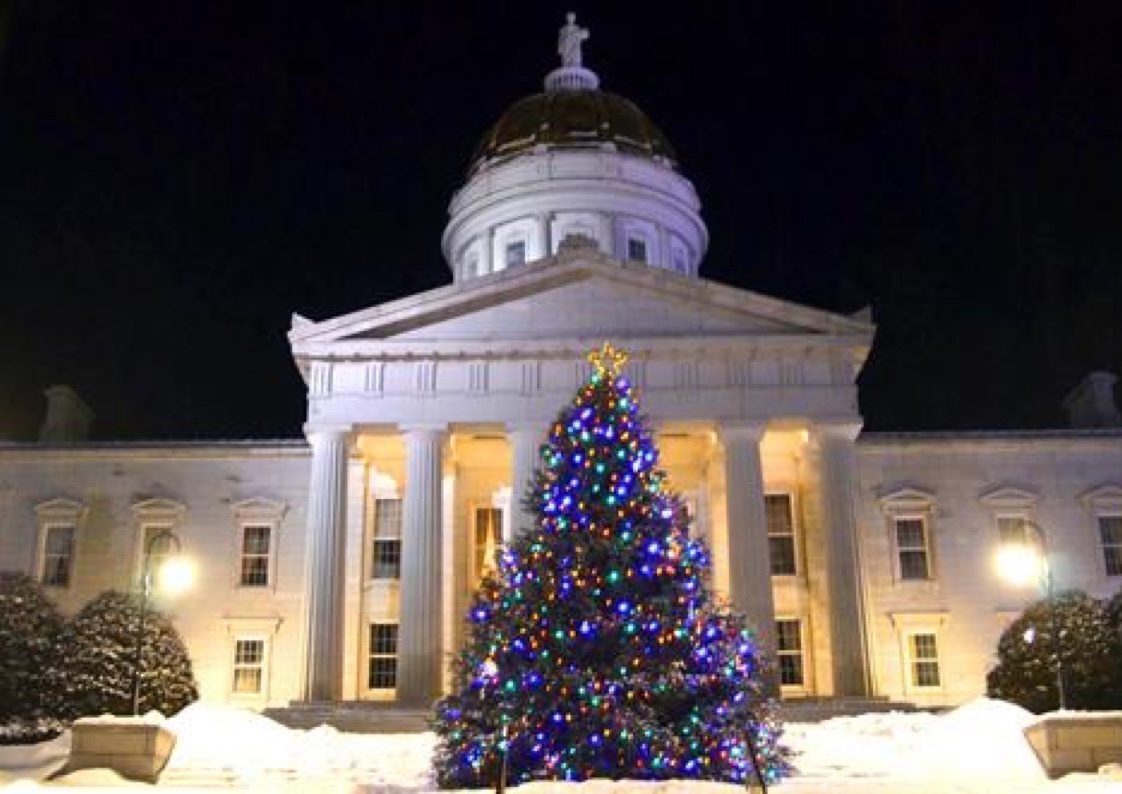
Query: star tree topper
point(607, 361)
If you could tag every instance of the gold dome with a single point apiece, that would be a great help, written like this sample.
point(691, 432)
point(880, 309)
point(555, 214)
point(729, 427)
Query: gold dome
point(573, 120)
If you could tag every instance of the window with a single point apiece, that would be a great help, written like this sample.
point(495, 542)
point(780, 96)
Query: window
point(156, 548)
point(789, 650)
point(57, 521)
point(516, 253)
point(911, 546)
point(1110, 530)
point(1012, 530)
point(910, 514)
point(923, 660)
point(386, 560)
point(382, 672)
point(255, 555)
point(249, 666)
point(58, 556)
point(254, 542)
point(679, 260)
point(780, 534)
point(636, 249)
point(488, 538)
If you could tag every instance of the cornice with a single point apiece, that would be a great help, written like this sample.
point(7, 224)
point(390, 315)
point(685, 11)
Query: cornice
point(148, 450)
point(993, 440)
point(641, 348)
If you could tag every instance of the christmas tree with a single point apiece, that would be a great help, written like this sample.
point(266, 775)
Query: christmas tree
point(595, 648)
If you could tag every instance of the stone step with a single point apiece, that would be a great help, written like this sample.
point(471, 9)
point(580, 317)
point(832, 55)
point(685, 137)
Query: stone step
point(820, 709)
point(367, 717)
point(352, 717)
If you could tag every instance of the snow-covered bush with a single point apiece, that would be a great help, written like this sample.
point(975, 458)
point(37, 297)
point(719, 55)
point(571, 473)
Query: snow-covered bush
point(29, 632)
point(100, 660)
point(1078, 628)
point(1114, 613)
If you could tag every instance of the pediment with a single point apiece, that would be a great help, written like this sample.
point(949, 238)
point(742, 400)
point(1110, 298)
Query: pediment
point(588, 297)
point(60, 509)
point(904, 498)
point(158, 508)
point(1012, 496)
point(1106, 494)
point(259, 508)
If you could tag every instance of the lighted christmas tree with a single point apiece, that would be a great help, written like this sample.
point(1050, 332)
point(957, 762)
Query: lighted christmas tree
point(595, 649)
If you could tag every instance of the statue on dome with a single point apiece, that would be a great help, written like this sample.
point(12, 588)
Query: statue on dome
point(569, 40)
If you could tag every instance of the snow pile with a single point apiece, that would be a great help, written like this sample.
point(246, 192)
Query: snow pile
point(245, 748)
point(980, 741)
point(984, 739)
point(33, 761)
point(867, 746)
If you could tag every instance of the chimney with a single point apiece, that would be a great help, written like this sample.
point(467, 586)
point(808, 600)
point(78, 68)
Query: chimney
point(68, 417)
point(1091, 403)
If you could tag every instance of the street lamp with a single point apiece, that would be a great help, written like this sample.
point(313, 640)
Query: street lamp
point(1024, 563)
point(174, 575)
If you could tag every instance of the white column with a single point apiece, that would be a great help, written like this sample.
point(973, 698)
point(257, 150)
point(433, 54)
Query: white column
point(488, 251)
point(525, 440)
point(419, 630)
point(664, 249)
point(543, 233)
point(749, 565)
point(324, 570)
point(835, 448)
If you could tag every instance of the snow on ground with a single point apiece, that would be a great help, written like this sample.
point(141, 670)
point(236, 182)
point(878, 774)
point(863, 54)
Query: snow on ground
point(974, 749)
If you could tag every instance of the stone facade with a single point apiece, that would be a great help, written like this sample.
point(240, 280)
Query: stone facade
point(958, 485)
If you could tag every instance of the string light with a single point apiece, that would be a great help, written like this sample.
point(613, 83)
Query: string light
point(596, 641)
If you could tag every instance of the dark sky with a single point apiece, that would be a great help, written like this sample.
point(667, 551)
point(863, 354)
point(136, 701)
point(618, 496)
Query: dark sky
point(177, 178)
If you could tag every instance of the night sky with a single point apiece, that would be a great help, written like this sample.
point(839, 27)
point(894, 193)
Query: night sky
point(177, 178)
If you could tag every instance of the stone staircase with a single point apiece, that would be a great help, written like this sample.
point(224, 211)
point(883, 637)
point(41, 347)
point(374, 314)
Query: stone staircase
point(820, 709)
point(356, 716)
point(352, 716)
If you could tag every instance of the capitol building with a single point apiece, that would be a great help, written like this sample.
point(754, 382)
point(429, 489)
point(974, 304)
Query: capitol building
point(340, 566)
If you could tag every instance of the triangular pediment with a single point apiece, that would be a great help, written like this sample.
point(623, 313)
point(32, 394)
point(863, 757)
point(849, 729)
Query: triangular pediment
point(905, 497)
point(158, 508)
point(1104, 494)
point(60, 508)
point(587, 296)
point(1008, 495)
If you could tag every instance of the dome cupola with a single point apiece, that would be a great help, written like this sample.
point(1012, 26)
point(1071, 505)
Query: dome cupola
point(573, 161)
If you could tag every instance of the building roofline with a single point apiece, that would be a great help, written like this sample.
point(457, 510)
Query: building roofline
point(950, 436)
point(179, 447)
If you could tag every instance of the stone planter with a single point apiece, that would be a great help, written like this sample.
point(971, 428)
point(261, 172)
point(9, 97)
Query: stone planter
point(1076, 742)
point(135, 748)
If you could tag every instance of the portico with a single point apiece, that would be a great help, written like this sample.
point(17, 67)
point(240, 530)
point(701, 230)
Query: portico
point(440, 435)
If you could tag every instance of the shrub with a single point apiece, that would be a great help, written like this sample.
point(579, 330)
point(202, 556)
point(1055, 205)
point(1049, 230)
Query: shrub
point(29, 632)
point(100, 646)
point(1089, 648)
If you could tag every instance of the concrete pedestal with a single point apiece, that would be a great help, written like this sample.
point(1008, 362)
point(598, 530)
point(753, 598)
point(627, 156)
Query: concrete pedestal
point(1076, 743)
point(131, 748)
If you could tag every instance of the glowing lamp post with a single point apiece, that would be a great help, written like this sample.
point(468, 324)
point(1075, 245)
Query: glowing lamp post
point(1023, 564)
point(174, 575)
